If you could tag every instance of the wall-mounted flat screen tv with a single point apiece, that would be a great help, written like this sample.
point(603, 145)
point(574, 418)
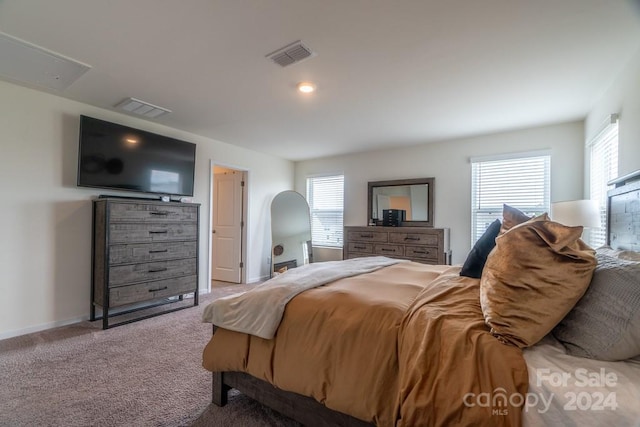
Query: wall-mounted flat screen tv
point(118, 157)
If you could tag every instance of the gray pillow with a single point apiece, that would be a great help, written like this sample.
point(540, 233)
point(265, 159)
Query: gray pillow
point(605, 323)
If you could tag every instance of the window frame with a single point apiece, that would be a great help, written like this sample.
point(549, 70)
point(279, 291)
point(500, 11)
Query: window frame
point(339, 230)
point(609, 132)
point(495, 212)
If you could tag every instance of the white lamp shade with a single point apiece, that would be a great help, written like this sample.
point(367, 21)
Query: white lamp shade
point(576, 212)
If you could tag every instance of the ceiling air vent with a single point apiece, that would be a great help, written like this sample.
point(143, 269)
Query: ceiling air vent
point(133, 105)
point(291, 54)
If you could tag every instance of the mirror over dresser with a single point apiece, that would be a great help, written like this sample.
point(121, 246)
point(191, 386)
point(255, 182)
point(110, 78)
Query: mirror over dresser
point(413, 196)
point(400, 218)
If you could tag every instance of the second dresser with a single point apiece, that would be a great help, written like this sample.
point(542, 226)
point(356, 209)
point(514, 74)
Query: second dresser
point(143, 250)
point(421, 244)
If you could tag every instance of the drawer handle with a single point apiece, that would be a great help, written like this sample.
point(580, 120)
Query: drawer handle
point(158, 232)
point(367, 236)
point(157, 270)
point(387, 250)
point(412, 238)
point(161, 213)
point(360, 247)
point(159, 289)
point(159, 251)
point(421, 252)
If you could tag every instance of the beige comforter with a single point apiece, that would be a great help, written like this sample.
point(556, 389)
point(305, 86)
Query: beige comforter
point(405, 345)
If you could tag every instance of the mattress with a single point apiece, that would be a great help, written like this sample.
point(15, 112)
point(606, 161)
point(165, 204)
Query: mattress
point(573, 391)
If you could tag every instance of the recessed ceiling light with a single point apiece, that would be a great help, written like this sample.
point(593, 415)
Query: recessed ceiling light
point(306, 87)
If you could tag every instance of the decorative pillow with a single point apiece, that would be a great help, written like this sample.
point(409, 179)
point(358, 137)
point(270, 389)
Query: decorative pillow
point(618, 253)
point(512, 217)
point(533, 278)
point(605, 323)
point(476, 259)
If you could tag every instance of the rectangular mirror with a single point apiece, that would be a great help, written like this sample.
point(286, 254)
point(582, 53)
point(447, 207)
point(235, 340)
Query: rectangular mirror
point(414, 196)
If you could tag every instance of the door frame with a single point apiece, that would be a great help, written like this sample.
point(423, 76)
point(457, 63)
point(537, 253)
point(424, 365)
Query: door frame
point(245, 218)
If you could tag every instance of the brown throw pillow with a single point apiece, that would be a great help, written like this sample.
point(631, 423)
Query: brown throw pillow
point(533, 278)
point(512, 217)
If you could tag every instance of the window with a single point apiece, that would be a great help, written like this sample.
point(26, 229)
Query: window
point(603, 167)
point(325, 195)
point(521, 180)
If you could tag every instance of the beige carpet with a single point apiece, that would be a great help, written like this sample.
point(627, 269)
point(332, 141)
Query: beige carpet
point(146, 373)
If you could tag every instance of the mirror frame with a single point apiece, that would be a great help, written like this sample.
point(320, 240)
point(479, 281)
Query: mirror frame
point(397, 182)
point(274, 244)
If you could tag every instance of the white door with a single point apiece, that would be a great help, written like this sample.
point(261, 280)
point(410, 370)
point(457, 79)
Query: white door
point(226, 254)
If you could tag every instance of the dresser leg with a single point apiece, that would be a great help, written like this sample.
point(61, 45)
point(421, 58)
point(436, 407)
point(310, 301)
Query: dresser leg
point(105, 318)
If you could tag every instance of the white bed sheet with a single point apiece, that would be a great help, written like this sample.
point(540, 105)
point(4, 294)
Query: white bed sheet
point(573, 391)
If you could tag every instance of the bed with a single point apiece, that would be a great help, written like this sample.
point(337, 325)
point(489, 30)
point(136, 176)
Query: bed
point(410, 344)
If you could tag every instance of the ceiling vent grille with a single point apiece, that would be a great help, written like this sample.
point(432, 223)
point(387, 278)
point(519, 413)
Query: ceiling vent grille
point(291, 54)
point(135, 106)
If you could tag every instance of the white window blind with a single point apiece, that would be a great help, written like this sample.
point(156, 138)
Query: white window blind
point(325, 195)
point(603, 167)
point(522, 182)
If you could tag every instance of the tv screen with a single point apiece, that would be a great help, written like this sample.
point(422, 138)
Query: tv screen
point(118, 157)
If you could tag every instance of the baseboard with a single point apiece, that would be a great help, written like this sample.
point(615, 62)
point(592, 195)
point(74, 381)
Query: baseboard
point(41, 327)
point(56, 324)
point(259, 279)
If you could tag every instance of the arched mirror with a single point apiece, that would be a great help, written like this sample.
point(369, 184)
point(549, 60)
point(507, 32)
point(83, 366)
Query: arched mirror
point(290, 232)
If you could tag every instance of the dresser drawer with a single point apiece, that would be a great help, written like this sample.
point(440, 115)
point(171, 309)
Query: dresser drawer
point(420, 244)
point(158, 289)
point(367, 236)
point(131, 273)
point(143, 233)
point(421, 252)
point(145, 252)
point(140, 212)
point(361, 247)
point(389, 250)
point(414, 238)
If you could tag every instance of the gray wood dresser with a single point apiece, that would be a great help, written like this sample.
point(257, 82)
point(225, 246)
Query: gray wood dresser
point(144, 251)
point(421, 244)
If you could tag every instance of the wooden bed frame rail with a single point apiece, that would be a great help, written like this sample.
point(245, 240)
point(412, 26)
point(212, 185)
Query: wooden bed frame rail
point(300, 408)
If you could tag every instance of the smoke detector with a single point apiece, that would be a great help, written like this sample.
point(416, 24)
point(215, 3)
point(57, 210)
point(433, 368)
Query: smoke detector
point(292, 53)
point(142, 108)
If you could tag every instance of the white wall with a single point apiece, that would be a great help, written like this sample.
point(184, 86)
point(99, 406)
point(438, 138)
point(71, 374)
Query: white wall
point(448, 162)
point(45, 247)
point(623, 97)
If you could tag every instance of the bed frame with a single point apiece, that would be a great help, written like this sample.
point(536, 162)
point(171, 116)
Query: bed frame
point(623, 213)
point(302, 409)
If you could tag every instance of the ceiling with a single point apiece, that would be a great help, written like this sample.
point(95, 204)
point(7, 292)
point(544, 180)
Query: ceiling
point(388, 73)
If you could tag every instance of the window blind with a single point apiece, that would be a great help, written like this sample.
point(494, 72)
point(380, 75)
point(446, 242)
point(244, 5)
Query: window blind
point(326, 202)
point(603, 167)
point(521, 182)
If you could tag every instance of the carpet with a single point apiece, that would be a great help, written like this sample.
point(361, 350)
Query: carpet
point(146, 373)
